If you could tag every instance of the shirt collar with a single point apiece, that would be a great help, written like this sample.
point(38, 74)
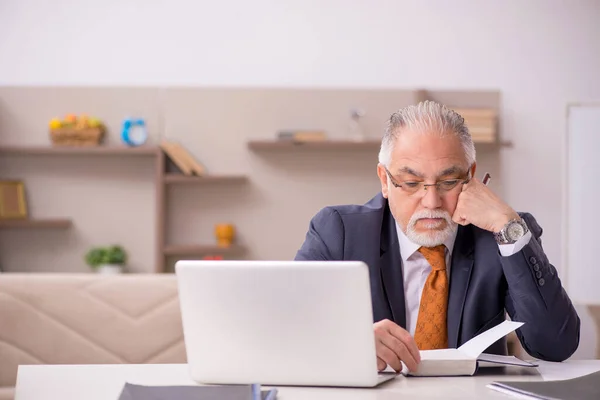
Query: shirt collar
point(408, 247)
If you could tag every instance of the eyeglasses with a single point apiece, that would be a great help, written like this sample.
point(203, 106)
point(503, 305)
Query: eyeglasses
point(412, 187)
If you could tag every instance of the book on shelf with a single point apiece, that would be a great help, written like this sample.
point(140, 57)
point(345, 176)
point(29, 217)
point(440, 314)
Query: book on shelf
point(182, 158)
point(481, 122)
point(302, 136)
point(466, 359)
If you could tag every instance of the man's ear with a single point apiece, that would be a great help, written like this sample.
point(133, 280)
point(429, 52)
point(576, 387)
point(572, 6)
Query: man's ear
point(383, 179)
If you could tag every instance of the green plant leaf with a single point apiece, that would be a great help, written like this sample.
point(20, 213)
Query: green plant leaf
point(106, 255)
point(96, 257)
point(116, 255)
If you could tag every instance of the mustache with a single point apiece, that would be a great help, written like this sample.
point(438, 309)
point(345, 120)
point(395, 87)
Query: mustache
point(430, 214)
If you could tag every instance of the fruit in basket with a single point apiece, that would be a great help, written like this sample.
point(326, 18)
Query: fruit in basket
point(55, 123)
point(82, 122)
point(72, 121)
point(70, 118)
point(93, 122)
point(76, 130)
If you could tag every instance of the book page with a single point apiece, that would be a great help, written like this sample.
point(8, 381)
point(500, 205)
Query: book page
point(474, 347)
point(495, 359)
point(442, 354)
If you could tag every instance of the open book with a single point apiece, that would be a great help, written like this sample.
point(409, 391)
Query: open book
point(466, 359)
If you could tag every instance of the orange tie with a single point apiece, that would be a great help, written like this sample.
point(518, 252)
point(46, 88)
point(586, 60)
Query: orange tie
point(432, 331)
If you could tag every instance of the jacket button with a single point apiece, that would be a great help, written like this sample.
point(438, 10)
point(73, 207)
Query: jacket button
point(533, 260)
point(538, 274)
point(536, 267)
point(542, 282)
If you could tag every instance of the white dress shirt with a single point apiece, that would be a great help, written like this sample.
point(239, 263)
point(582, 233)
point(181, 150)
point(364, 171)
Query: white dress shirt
point(415, 270)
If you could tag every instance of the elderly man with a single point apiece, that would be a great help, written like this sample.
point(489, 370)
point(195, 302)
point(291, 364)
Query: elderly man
point(447, 257)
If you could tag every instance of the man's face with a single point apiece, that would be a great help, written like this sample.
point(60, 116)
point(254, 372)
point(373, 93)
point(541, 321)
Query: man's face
point(425, 215)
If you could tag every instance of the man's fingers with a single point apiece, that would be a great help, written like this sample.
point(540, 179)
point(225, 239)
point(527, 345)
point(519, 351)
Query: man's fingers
point(462, 221)
point(404, 336)
point(458, 212)
point(395, 345)
point(389, 356)
point(381, 364)
point(401, 352)
point(456, 217)
point(459, 215)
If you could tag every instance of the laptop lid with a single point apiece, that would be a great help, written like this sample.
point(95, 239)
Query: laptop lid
point(278, 322)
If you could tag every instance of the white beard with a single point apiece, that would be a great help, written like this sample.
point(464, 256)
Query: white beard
point(433, 237)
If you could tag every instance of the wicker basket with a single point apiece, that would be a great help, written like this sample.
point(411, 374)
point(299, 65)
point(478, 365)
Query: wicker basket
point(77, 136)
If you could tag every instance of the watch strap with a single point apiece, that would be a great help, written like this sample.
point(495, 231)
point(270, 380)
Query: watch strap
point(502, 237)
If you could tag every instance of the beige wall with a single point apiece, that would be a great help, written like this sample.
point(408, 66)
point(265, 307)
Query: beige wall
point(540, 54)
point(111, 199)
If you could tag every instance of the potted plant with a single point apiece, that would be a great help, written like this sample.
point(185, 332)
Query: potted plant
point(107, 260)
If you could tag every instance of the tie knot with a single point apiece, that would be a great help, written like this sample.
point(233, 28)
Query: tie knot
point(435, 256)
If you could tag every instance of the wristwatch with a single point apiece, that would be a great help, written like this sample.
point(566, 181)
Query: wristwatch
point(514, 230)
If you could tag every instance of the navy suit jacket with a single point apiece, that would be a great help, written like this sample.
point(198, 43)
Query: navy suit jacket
point(483, 284)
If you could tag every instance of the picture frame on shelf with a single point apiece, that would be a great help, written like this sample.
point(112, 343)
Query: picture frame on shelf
point(13, 204)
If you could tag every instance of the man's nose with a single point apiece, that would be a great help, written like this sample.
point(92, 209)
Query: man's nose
point(431, 198)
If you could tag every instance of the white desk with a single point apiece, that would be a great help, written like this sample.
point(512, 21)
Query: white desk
point(105, 382)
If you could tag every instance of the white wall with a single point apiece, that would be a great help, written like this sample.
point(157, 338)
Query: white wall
point(540, 54)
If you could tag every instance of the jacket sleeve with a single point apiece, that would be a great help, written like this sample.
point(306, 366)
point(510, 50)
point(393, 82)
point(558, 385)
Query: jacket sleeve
point(325, 237)
point(536, 297)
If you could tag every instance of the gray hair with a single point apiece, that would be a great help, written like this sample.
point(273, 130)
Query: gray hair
point(427, 116)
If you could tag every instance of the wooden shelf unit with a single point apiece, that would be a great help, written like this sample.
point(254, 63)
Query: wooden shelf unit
point(55, 223)
point(162, 180)
point(378, 104)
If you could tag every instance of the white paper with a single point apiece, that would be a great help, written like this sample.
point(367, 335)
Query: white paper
point(496, 359)
point(474, 347)
point(554, 371)
point(442, 354)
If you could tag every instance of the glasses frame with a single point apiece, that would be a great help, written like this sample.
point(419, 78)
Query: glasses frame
point(425, 185)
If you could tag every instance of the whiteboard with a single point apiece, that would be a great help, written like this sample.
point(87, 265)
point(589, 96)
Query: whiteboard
point(582, 204)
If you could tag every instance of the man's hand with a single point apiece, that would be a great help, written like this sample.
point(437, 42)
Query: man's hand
point(394, 344)
point(478, 205)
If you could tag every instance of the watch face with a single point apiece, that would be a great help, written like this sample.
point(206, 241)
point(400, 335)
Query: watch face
point(515, 231)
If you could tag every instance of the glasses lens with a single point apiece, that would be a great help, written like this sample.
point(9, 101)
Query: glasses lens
point(412, 187)
point(448, 185)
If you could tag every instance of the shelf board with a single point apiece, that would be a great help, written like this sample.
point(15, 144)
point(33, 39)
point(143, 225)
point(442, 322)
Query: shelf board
point(79, 150)
point(174, 178)
point(200, 250)
point(370, 144)
point(56, 223)
point(315, 145)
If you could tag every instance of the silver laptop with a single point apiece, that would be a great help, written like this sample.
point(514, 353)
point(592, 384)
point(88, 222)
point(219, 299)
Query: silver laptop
point(295, 323)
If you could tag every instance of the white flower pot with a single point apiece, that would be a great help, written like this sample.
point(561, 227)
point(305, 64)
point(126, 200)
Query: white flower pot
point(110, 269)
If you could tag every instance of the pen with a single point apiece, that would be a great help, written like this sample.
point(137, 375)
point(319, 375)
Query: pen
point(486, 178)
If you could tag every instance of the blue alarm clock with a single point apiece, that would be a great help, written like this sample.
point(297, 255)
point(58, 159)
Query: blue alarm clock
point(134, 132)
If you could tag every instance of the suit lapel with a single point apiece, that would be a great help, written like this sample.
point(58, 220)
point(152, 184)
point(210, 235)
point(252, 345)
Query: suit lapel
point(460, 274)
point(391, 270)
